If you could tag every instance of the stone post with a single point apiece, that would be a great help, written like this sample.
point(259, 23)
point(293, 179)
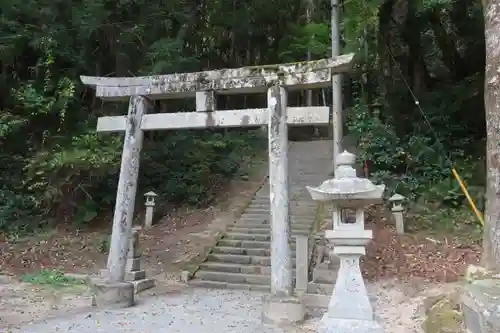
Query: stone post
point(134, 273)
point(126, 192)
point(397, 212)
point(281, 306)
point(150, 207)
point(302, 259)
point(205, 101)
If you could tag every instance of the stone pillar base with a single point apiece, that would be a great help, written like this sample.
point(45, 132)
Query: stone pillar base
point(108, 294)
point(143, 284)
point(283, 310)
point(330, 325)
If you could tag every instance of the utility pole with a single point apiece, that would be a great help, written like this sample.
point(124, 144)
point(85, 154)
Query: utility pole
point(309, 13)
point(336, 85)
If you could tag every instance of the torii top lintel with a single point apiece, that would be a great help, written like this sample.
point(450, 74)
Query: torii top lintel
point(299, 75)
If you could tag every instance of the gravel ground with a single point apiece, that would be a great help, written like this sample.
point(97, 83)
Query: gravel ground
point(398, 307)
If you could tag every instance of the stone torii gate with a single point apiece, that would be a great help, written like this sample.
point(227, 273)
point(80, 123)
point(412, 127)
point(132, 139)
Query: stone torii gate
point(275, 79)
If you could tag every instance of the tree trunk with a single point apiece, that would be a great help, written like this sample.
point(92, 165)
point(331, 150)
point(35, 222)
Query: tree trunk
point(491, 239)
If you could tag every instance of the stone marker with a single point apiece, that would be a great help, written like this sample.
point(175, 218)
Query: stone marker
point(397, 212)
point(349, 310)
point(134, 273)
point(150, 207)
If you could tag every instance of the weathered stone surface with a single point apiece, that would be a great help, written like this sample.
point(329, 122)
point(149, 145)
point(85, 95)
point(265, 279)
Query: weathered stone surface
point(281, 264)
point(283, 310)
point(133, 264)
point(143, 284)
point(443, 315)
point(108, 294)
point(135, 275)
point(302, 271)
point(126, 192)
point(205, 101)
point(133, 249)
point(252, 256)
point(310, 74)
point(349, 309)
point(481, 306)
point(297, 116)
point(335, 325)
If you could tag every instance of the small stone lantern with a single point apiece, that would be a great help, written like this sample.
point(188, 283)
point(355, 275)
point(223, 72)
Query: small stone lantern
point(150, 206)
point(397, 211)
point(349, 309)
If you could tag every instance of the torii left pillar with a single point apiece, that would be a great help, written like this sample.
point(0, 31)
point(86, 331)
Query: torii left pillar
point(111, 289)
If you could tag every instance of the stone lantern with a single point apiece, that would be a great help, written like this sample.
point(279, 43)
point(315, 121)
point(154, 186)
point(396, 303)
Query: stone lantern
point(150, 206)
point(397, 212)
point(349, 309)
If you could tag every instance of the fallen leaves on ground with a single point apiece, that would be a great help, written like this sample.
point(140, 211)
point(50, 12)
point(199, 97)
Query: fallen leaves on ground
point(434, 258)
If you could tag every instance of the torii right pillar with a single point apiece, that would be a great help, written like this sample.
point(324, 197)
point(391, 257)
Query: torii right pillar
point(282, 307)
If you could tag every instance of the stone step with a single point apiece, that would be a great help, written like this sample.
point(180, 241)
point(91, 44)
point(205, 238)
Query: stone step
point(243, 251)
point(260, 209)
point(243, 236)
point(264, 222)
point(267, 226)
point(235, 268)
point(234, 277)
point(265, 231)
point(300, 215)
point(248, 243)
point(240, 250)
point(258, 203)
point(241, 259)
point(267, 218)
point(225, 285)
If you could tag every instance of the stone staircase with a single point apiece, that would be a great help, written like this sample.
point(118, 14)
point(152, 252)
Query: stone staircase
point(241, 259)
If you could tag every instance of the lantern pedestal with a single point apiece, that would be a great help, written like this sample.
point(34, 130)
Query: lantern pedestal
point(350, 286)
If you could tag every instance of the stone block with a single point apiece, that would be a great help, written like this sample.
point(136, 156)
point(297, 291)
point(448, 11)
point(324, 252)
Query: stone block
point(133, 264)
point(108, 294)
point(283, 310)
point(333, 325)
point(135, 275)
point(133, 250)
point(185, 275)
point(325, 274)
point(144, 284)
point(481, 306)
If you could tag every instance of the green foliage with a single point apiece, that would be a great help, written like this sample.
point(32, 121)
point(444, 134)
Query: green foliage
point(415, 166)
point(55, 169)
point(312, 37)
point(52, 278)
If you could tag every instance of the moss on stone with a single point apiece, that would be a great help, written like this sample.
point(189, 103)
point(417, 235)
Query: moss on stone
point(474, 273)
point(443, 315)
